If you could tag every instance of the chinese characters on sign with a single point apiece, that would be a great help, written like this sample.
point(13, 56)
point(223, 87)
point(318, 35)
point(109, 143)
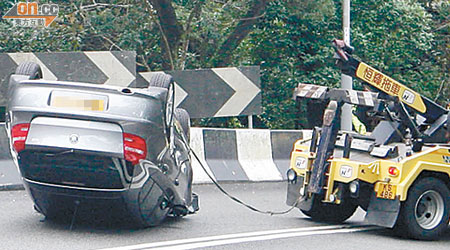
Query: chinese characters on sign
point(381, 81)
point(390, 86)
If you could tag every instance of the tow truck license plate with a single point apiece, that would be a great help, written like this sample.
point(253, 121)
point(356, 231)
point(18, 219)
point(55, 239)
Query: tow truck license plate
point(386, 191)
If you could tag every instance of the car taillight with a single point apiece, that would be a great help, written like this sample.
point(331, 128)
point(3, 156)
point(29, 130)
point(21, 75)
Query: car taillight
point(134, 148)
point(19, 135)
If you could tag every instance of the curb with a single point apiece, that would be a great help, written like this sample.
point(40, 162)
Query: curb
point(11, 187)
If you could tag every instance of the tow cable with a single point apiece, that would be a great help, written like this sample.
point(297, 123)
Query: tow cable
point(237, 200)
point(232, 197)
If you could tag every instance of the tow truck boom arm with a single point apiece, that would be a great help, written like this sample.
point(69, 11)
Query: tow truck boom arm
point(385, 84)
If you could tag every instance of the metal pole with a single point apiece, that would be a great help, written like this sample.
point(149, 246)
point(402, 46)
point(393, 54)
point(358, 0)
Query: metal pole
point(250, 121)
point(346, 81)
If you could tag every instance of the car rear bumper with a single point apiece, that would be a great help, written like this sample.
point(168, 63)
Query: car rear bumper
point(47, 189)
point(75, 169)
point(151, 188)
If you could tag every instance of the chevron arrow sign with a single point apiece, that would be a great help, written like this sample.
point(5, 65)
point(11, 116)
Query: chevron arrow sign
point(216, 92)
point(110, 67)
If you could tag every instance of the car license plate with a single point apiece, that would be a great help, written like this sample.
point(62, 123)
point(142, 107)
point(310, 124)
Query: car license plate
point(386, 191)
point(78, 101)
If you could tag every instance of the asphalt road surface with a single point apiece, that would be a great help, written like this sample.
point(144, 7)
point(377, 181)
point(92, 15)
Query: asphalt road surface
point(220, 224)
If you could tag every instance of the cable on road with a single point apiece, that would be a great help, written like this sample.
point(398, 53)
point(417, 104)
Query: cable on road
point(232, 197)
point(237, 200)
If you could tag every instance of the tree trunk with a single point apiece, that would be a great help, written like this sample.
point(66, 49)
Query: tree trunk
point(171, 28)
point(243, 28)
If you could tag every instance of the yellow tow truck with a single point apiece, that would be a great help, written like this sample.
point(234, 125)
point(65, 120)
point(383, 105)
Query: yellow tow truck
point(399, 174)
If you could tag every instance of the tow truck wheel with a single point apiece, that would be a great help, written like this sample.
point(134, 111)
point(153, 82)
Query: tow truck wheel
point(31, 69)
point(331, 213)
point(425, 213)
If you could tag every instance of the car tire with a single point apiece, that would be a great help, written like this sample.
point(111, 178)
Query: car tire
point(160, 80)
point(425, 213)
point(163, 80)
point(31, 69)
point(331, 213)
point(183, 117)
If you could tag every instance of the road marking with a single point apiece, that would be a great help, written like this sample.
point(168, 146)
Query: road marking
point(245, 237)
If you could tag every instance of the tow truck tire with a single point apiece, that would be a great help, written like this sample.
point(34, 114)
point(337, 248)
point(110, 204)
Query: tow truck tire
point(183, 117)
point(425, 213)
point(330, 213)
point(31, 69)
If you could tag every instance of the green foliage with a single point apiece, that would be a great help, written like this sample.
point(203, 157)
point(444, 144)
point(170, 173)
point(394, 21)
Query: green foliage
point(291, 48)
point(292, 44)
point(399, 41)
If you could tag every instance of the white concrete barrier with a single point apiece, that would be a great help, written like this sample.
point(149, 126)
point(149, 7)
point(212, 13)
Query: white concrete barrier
point(227, 154)
point(243, 154)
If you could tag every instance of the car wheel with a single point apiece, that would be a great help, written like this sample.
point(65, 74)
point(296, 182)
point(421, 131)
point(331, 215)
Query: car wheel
point(163, 80)
point(332, 213)
point(425, 213)
point(160, 80)
point(31, 69)
point(183, 117)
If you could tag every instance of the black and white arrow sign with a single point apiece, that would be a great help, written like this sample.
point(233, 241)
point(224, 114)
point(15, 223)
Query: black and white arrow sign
point(216, 92)
point(104, 67)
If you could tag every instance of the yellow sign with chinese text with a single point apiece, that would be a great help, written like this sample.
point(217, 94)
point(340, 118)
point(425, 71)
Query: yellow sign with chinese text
point(390, 86)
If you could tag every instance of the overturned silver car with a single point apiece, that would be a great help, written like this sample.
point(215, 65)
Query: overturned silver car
point(77, 143)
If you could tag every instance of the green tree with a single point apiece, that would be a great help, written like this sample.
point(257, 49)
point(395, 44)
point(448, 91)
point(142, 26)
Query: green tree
point(293, 46)
point(397, 37)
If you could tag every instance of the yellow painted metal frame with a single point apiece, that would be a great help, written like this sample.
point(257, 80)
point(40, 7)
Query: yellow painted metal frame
point(434, 160)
